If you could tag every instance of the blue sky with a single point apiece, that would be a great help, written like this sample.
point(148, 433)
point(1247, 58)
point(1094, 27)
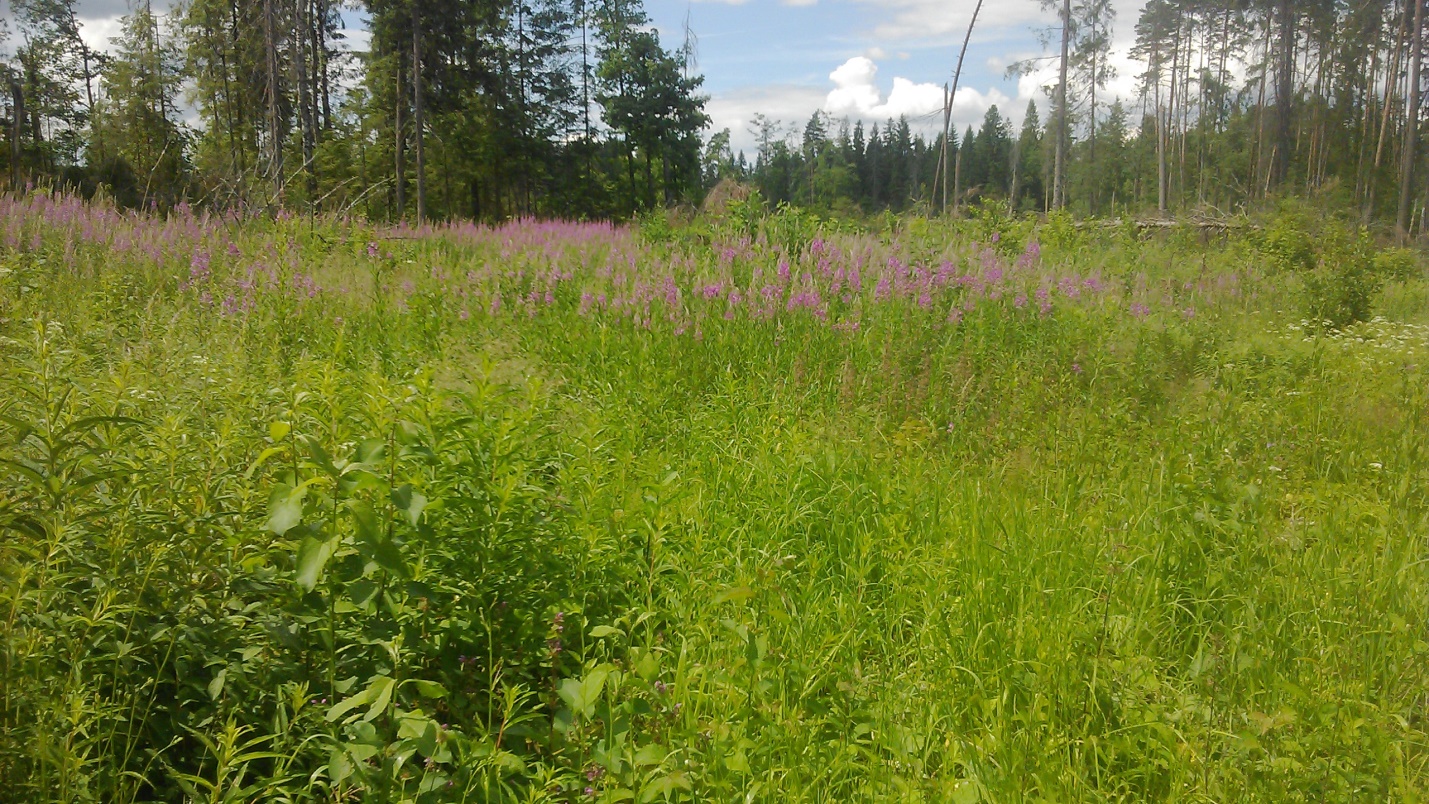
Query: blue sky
point(868, 59)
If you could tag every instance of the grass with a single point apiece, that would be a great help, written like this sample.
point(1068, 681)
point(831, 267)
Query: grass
point(977, 511)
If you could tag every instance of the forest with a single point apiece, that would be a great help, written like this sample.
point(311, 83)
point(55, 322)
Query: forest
point(576, 109)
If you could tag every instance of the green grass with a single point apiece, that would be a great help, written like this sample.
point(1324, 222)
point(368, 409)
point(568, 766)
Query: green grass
point(352, 536)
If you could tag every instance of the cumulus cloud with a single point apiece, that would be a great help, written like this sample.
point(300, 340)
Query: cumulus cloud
point(856, 95)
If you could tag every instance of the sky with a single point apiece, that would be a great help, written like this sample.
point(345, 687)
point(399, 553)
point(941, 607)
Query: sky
point(855, 59)
point(871, 59)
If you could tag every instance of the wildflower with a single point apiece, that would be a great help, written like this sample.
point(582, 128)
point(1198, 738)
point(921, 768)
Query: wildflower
point(880, 291)
point(1020, 301)
point(1076, 367)
point(372, 250)
point(660, 687)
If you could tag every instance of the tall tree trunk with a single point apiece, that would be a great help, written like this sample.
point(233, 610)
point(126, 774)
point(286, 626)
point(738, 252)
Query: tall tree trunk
point(1092, 121)
point(1284, 90)
point(306, 115)
point(400, 144)
point(1059, 162)
point(1160, 146)
point(318, 45)
point(418, 115)
point(17, 101)
point(1411, 123)
point(1391, 80)
point(958, 177)
point(275, 133)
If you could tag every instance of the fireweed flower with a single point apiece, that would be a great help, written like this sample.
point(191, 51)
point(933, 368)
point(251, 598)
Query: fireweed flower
point(1044, 299)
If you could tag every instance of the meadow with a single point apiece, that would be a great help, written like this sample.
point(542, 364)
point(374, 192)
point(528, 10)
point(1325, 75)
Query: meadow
point(759, 508)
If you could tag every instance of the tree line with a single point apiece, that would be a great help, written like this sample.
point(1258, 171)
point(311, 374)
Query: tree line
point(482, 110)
point(575, 108)
point(1237, 101)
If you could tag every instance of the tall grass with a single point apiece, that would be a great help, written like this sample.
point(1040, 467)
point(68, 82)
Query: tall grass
point(986, 511)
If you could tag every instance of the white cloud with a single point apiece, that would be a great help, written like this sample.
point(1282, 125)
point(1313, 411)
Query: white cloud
point(98, 31)
point(945, 22)
point(802, 3)
point(856, 95)
point(735, 110)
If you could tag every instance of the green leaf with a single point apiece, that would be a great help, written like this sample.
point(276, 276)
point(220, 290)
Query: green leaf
point(649, 754)
point(368, 528)
point(262, 457)
point(313, 555)
point(371, 451)
point(382, 687)
point(408, 433)
point(278, 430)
point(582, 694)
point(215, 687)
point(410, 501)
point(601, 631)
point(348, 704)
point(285, 508)
point(429, 689)
point(664, 786)
point(420, 731)
point(318, 454)
point(737, 594)
point(339, 765)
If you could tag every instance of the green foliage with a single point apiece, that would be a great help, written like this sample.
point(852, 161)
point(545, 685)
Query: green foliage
point(1342, 271)
point(389, 525)
point(791, 228)
point(1288, 241)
